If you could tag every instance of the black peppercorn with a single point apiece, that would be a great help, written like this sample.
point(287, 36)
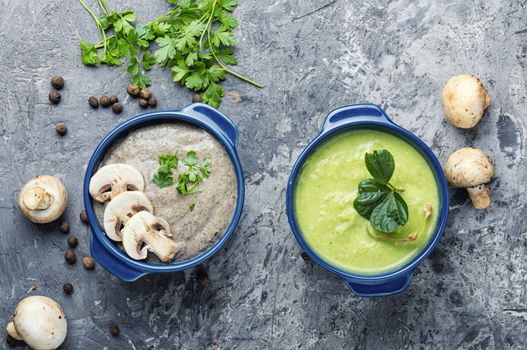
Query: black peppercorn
point(145, 93)
point(133, 90)
point(104, 101)
point(114, 99)
point(93, 102)
point(143, 103)
point(305, 256)
point(61, 129)
point(54, 97)
point(70, 257)
point(202, 277)
point(152, 101)
point(64, 227)
point(196, 98)
point(88, 263)
point(83, 216)
point(73, 241)
point(114, 330)
point(67, 288)
point(57, 82)
point(117, 107)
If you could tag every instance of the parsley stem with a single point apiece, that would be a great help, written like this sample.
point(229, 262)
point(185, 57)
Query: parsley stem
point(103, 6)
point(231, 72)
point(99, 25)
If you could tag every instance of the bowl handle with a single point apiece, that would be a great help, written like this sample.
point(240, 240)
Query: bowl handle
point(111, 263)
point(215, 119)
point(391, 287)
point(356, 113)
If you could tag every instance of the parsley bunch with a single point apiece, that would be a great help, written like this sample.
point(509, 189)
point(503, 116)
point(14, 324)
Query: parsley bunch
point(193, 39)
point(187, 181)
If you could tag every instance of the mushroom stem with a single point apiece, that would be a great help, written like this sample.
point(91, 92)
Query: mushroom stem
point(11, 330)
point(37, 198)
point(479, 196)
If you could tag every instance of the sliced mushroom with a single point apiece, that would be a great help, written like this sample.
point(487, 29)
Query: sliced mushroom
point(43, 199)
point(471, 168)
point(113, 179)
point(465, 100)
point(145, 232)
point(39, 322)
point(121, 209)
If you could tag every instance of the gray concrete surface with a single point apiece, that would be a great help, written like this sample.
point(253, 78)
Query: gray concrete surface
point(312, 56)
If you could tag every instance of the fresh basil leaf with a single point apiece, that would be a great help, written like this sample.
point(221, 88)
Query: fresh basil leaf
point(390, 214)
point(381, 165)
point(371, 193)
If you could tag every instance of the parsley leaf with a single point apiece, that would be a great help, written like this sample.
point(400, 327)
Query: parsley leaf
point(164, 176)
point(195, 174)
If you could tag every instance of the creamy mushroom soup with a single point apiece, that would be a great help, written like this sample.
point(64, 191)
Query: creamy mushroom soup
point(196, 220)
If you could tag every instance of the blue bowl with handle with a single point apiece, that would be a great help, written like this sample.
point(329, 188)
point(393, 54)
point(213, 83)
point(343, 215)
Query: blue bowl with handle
point(368, 116)
point(107, 253)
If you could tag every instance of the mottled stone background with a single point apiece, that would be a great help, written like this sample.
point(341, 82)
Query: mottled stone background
point(312, 56)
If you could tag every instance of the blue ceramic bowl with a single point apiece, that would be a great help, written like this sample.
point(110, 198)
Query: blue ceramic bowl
point(369, 116)
point(107, 253)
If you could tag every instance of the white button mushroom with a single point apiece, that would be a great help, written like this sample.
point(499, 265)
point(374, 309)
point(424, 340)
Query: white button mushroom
point(471, 168)
point(464, 101)
point(43, 199)
point(39, 322)
point(113, 179)
point(121, 209)
point(145, 232)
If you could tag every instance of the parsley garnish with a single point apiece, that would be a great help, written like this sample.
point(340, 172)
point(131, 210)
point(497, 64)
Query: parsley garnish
point(196, 172)
point(192, 206)
point(193, 39)
point(379, 201)
point(164, 177)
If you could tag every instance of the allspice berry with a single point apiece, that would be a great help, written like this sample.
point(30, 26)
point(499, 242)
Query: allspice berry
point(73, 241)
point(196, 98)
point(88, 263)
point(64, 227)
point(67, 288)
point(70, 257)
point(146, 94)
point(152, 101)
point(61, 129)
point(114, 330)
point(114, 99)
point(104, 101)
point(202, 277)
point(133, 90)
point(93, 102)
point(83, 216)
point(54, 97)
point(57, 82)
point(143, 103)
point(117, 107)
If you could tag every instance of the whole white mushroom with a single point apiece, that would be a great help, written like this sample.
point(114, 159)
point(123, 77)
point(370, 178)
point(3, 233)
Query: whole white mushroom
point(465, 100)
point(39, 322)
point(43, 199)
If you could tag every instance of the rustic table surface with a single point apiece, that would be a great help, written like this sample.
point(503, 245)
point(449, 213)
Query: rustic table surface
point(312, 56)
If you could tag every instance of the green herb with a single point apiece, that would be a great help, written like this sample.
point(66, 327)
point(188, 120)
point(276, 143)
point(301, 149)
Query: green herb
point(193, 39)
point(192, 206)
point(164, 176)
point(379, 201)
point(195, 174)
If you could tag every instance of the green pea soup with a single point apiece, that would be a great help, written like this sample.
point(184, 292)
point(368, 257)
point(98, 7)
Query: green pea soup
point(327, 186)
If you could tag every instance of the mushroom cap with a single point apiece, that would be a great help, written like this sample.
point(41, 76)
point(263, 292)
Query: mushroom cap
point(469, 167)
point(40, 322)
point(43, 199)
point(464, 101)
point(145, 232)
point(113, 179)
point(121, 209)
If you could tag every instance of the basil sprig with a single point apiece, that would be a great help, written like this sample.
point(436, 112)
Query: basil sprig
point(379, 201)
